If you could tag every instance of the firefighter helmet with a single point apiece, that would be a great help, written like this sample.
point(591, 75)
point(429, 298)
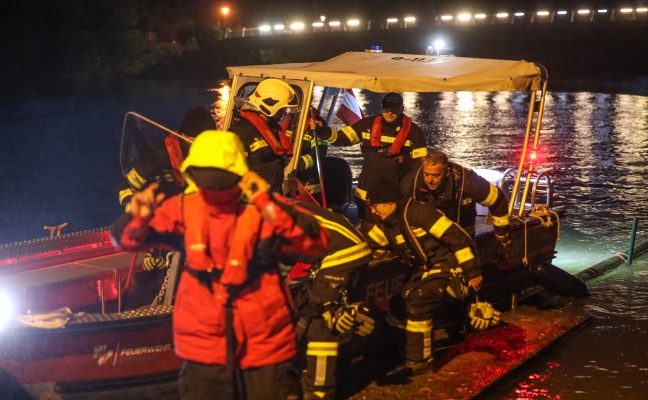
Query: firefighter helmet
point(216, 160)
point(271, 95)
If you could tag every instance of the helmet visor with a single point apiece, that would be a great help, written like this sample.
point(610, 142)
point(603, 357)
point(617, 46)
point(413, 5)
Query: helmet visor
point(213, 178)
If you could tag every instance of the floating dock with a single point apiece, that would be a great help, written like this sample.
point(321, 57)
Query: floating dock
point(482, 359)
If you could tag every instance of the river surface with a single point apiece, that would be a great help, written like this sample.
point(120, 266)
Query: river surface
point(59, 162)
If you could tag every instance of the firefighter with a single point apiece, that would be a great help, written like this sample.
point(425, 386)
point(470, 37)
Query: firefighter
point(441, 267)
point(455, 190)
point(258, 125)
point(330, 308)
point(391, 144)
point(162, 164)
point(232, 320)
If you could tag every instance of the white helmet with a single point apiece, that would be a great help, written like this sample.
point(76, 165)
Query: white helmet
point(271, 95)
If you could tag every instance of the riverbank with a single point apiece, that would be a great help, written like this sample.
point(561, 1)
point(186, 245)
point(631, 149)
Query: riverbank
point(579, 57)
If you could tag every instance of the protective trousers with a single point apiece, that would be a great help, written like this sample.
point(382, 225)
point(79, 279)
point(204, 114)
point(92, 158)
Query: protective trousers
point(272, 382)
point(321, 355)
point(414, 309)
point(323, 341)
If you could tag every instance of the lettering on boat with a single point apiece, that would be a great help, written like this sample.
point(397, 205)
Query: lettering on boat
point(103, 355)
point(379, 292)
point(139, 351)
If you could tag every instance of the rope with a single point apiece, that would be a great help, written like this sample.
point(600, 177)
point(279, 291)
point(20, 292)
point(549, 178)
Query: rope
point(538, 212)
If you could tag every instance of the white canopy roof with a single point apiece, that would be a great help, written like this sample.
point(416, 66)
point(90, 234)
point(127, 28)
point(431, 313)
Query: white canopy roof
point(389, 72)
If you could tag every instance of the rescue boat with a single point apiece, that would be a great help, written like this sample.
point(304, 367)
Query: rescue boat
point(82, 318)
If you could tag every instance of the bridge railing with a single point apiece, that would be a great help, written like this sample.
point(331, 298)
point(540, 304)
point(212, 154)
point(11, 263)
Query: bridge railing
point(600, 15)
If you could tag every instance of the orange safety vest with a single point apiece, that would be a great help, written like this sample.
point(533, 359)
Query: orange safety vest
point(279, 147)
point(203, 240)
point(172, 144)
point(401, 137)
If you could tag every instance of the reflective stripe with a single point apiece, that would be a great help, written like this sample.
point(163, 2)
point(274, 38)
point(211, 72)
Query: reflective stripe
point(340, 229)
point(259, 144)
point(418, 153)
point(464, 255)
point(430, 272)
point(418, 232)
point(424, 327)
point(333, 137)
point(321, 351)
point(329, 349)
point(419, 326)
point(346, 255)
point(440, 227)
point(399, 239)
point(492, 196)
point(385, 139)
point(361, 194)
point(378, 236)
point(501, 221)
point(135, 179)
point(308, 160)
point(314, 188)
point(351, 134)
point(125, 193)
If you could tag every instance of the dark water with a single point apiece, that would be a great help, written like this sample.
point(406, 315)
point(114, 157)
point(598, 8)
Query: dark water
point(59, 161)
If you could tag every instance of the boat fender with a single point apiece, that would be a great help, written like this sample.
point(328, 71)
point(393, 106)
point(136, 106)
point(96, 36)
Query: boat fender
point(557, 280)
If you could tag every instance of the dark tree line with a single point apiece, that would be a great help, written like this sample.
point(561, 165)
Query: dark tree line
point(58, 40)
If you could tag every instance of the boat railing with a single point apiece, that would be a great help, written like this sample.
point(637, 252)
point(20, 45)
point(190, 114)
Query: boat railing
point(539, 184)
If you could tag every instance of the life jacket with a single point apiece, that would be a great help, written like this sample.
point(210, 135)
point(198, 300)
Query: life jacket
point(279, 146)
point(172, 144)
point(401, 137)
point(203, 242)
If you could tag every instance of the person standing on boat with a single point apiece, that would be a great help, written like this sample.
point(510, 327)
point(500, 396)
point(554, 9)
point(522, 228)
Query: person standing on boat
point(329, 308)
point(391, 144)
point(441, 267)
point(455, 190)
point(233, 319)
point(258, 125)
point(161, 164)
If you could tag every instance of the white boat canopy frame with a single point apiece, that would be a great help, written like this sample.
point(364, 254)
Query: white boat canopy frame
point(390, 72)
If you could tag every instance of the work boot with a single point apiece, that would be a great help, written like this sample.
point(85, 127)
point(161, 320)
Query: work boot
point(318, 393)
point(417, 367)
point(407, 370)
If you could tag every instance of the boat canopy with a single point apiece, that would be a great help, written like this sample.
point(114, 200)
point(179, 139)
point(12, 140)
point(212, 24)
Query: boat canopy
point(390, 72)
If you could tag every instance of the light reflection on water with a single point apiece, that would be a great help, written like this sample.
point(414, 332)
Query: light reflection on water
point(59, 162)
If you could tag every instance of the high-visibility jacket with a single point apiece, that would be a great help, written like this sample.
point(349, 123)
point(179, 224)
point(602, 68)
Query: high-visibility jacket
point(457, 199)
point(242, 235)
point(380, 156)
point(427, 239)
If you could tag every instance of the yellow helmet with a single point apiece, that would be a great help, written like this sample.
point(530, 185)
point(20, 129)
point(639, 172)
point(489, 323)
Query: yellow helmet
point(212, 153)
point(271, 95)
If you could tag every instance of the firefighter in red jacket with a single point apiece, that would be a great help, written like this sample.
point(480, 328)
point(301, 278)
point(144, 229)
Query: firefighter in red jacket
point(232, 320)
point(391, 143)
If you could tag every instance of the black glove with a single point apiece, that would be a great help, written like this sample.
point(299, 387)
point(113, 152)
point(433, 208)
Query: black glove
point(504, 240)
point(457, 287)
point(365, 324)
point(483, 315)
point(157, 258)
